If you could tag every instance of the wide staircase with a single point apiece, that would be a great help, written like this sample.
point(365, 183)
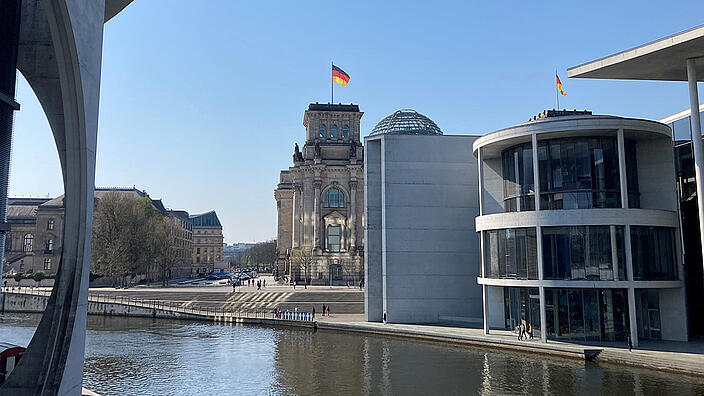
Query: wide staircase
point(340, 302)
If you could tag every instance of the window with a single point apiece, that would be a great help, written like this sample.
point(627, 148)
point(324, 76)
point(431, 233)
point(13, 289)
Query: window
point(198, 259)
point(653, 250)
point(8, 242)
point(334, 198)
point(27, 246)
point(519, 193)
point(47, 264)
point(50, 224)
point(583, 173)
point(333, 131)
point(582, 253)
point(197, 250)
point(345, 131)
point(334, 238)
point(510, 253)
point(49, 244)
point(323, 132)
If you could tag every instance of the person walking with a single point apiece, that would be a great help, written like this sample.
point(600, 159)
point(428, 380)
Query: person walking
point(518, 331)
point(630, 343)
point(294, 285)
point(323, 309)
point(264, 283)
point(328, 311)
point(313, 312)
point(530, 330)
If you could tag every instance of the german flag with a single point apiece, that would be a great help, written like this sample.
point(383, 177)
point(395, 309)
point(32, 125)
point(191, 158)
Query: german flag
point(339, 76)
point(559, 84)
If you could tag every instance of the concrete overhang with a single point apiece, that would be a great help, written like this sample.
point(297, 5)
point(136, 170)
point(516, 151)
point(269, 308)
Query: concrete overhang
point(113, 7)
point(664, 59)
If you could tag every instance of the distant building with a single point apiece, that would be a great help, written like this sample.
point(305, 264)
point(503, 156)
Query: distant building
point(207, 243)
point(181, 242)
point(320, 200)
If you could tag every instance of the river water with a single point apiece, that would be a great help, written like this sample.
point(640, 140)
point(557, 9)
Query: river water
point(134, 356)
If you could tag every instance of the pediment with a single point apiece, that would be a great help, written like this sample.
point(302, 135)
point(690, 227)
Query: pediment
point(335, 215)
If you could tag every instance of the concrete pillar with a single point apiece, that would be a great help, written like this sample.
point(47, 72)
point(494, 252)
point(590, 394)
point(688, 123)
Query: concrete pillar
point(614, 251)
point(633, 322)
point(485, 298)
point(622, 168)
point(629, 253)
point(696, 126)
point(316, 213)
point(543, 314)
point(353, 215)
point(536, 171)
point(480, 169)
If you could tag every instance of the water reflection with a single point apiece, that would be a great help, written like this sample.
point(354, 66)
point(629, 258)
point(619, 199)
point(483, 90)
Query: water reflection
point(152, 357)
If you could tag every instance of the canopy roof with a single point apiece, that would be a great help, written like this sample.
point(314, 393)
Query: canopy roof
point(663, 59)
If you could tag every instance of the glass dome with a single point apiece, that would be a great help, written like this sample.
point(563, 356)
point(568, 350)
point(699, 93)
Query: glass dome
point(406, 122)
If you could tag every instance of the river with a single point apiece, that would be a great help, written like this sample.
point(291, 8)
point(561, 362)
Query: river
point(135, 356)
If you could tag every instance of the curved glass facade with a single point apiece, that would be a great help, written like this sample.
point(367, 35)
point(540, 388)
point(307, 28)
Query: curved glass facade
point(583, 253)
point(653, 252)
point(519, 193)
point(510, 253)
point(580, 173)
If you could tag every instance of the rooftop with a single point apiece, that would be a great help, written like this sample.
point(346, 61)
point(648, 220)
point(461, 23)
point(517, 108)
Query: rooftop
point(662, 59)
point(333, 107)
point(208, 219)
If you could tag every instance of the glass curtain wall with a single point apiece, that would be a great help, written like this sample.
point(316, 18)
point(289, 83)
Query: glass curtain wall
point(648, 318)
point(583, 253)
point(587, 314)
point(653, 252)
point(582, 173)
point(519, 193)
point(522, 305)
point(510, 253)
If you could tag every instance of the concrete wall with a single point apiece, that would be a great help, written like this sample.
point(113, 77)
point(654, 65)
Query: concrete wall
point(493, 186)
point(656, 174)
point(673, 315)
point(373, 304)
point(430, 249)
point(495, 307)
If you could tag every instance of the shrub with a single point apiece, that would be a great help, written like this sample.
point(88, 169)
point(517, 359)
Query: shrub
point(18, 277)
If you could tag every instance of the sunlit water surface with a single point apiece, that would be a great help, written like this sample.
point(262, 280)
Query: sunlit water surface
point(133, 356)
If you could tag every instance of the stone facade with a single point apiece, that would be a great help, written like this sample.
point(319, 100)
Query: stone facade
point(320, 200)
point(207, 243)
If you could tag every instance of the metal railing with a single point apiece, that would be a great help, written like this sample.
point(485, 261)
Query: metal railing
point(214, 313)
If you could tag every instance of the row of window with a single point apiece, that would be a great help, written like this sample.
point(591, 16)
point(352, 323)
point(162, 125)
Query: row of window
point(580, 253)
point(27, 243)
point(334, 132)
point(574, 173)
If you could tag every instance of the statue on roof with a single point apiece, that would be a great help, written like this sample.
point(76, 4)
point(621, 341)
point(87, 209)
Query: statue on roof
point(297, 156)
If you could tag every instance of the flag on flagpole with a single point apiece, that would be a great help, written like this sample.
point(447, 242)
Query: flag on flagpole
point(339, 76)
point(559, 85)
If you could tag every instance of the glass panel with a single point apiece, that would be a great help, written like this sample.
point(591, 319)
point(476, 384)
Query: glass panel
point(345, 131)
point(334, 236)
point(323, 133)
point(653, 253)
point(511, 253)
point(333, 131)
point(517, 172)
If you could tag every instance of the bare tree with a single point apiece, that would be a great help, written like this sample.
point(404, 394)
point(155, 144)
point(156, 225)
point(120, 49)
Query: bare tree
point(303, 258)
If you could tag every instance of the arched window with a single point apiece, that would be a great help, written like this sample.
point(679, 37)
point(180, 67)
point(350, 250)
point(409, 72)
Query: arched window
point(334, 198)
point(323, 133)
point(334, 238)
point(333, 131)
point(28, 243)
point(345, 131)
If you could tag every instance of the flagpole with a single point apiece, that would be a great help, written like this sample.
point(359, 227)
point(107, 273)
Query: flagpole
point(332, 85)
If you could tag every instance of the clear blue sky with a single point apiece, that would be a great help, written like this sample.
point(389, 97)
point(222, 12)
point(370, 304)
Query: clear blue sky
point(202, 101)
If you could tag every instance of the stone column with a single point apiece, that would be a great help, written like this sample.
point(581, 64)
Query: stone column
point(622, 168)
point(352, 221)
point(295, 231)
point(614, 252)
point(316, 213)
point(697, 150)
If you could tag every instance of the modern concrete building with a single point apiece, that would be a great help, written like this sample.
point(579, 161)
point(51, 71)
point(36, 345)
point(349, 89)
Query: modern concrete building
point(580, 229)
point(679, 57)
point(421, 247)
point(207, 244)
point(319, 200)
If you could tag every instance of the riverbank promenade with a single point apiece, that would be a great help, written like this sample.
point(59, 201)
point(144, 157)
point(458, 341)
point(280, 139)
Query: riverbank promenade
point(256, 306)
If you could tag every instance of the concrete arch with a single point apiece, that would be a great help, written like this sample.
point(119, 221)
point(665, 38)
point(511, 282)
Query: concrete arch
point(60, 55)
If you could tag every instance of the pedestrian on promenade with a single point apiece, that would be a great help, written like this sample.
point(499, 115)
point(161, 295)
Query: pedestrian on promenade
point(518, 331)
point(259, 285)
point(530, 330)
point(313, 312)
point(264, 283)
point(523, 330)
point(323, 309)
point(348, 284)
point(328, 311)
point(361, 284)
point(630, 343)
point(294, 285)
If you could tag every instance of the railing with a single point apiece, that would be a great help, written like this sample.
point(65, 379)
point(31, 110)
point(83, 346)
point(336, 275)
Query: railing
point(168, 306)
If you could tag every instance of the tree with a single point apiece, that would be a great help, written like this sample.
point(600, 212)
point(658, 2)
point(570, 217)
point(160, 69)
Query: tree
point(129, 236)
point(303, 257)
point(18, 277)
point(38, 277)
point(260, 254)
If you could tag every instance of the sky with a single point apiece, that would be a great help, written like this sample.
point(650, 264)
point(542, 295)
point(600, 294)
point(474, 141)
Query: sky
point(202, 101)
